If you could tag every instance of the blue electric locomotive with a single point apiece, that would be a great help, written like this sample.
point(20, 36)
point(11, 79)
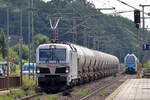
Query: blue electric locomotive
point(130, 63)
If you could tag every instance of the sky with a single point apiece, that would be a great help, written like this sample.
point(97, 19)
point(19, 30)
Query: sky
point(121, 7)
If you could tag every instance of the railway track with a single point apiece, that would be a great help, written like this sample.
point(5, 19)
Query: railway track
point(95, 91)
point(96, 88)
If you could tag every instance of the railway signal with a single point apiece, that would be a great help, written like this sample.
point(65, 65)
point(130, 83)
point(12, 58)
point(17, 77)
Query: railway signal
point(136, 16)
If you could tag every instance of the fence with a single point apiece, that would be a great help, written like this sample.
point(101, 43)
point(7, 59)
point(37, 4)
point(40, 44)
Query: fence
point(13, 82)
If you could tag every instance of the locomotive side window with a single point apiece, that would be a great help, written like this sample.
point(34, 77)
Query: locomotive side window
point(58, 54)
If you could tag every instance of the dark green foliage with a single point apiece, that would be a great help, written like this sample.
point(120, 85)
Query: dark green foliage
point(13, 53)
point(40, 39)
point(25, 50)
point(116, 35)
point(1, 58)
point(3, 44)
point(28, 84)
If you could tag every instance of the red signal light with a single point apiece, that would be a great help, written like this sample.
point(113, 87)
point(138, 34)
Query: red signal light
point(136, 16)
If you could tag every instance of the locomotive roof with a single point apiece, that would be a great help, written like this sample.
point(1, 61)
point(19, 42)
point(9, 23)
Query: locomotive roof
point(74, 45)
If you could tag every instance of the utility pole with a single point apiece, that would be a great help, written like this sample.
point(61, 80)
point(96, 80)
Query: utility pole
point(85, 38)
point(21, 42)
point(143, 18)
point(29, 36)
point(94, 41)
point(32, 23)
point(138, 45)
point(74, 33)
point(7, 48)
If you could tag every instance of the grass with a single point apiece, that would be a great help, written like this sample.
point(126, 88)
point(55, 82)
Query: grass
point(30, 92)
point(28, 88)
point(137, 76)
point(16, 93)
point(28, 84)
point(52, 97)
point(37, 98)
point(103, 93)
point(82, 92)
point(5, 97)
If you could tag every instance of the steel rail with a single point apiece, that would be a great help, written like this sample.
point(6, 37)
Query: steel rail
point(97, 90)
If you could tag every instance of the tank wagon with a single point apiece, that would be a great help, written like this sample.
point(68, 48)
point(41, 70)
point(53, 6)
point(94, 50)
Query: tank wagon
point(131, 63)
point(61, 65)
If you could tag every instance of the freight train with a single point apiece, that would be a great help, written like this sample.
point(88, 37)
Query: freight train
point(131, 62)
point(62, 65)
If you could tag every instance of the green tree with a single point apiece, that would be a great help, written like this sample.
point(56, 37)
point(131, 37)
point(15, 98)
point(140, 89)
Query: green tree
point(115, 33)
point(40, 39)
point(3, 44)
point(1, 58)
point(25, 50)
point(13, 54)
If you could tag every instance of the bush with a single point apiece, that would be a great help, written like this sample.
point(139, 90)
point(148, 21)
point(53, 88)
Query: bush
point(17, 93)
point(16, 72)
point(25, 50)
point(28, 84)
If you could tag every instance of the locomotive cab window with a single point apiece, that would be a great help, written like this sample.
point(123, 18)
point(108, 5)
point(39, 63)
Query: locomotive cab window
point(57, 54)
point(130, 60)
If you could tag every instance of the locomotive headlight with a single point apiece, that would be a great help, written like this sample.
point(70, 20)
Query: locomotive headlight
point(67, 70)
point(38, 70)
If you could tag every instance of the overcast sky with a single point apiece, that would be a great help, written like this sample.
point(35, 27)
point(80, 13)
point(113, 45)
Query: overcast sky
point(121, 7)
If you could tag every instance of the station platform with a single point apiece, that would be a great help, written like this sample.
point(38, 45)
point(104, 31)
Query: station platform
point(132, 89)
